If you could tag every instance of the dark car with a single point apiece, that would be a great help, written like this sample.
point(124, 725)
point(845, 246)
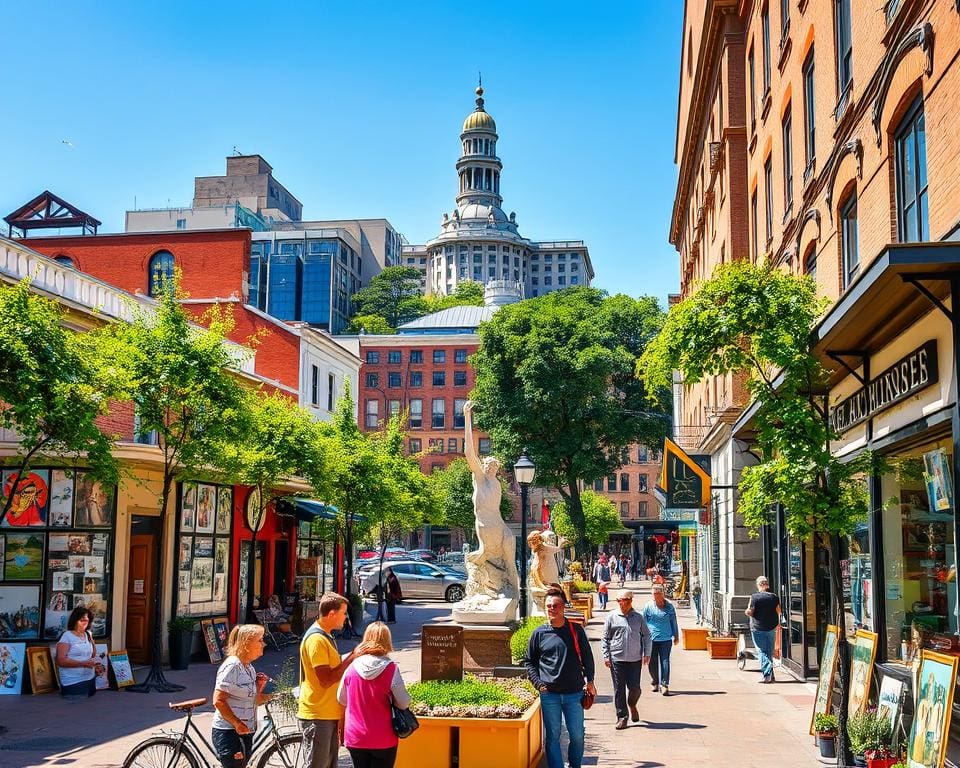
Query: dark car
point(426, 555)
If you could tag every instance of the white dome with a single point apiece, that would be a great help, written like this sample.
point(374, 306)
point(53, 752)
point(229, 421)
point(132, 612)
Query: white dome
point(482, 212)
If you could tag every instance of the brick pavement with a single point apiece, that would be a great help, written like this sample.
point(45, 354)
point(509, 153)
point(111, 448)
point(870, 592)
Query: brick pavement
point(716, 714)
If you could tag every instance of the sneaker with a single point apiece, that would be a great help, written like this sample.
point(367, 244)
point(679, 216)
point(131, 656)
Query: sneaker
point(656, 688)
point(621, 724)
point(634, 715)
point(666, 690)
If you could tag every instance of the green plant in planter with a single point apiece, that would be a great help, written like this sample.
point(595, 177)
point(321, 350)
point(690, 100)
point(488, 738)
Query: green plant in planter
point(284, 702)
point(869, 731)
point(356, 602)
point(825, 723)
point(521, 637)
point(498, 698)
point(584, 586)
point(181, 624)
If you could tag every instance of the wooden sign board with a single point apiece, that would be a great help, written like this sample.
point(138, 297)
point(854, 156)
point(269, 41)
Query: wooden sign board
point(441, 653)
point(120, 665)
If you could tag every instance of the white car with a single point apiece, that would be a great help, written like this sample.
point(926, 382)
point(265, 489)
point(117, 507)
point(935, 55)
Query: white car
point(418, 579)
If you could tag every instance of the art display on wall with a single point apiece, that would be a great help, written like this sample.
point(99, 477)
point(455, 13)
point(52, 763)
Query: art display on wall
point(11, 668)
point(927, 743)
point(23, 556)
point(861, 670)
point(224, 509)
point(95, 503)
point(31, 496)
point(828, 669)
point(206, 508)
point(188, 505)
point(120, 665)
point(42, 677)
point(61, 499)
point(210, 641)
point(19, 612)
point(203, 549)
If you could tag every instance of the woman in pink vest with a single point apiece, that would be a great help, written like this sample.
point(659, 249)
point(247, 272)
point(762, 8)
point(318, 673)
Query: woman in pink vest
point(366, 690)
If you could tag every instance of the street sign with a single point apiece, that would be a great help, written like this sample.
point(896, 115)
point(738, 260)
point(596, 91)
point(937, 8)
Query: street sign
point(679, 515)
point(684, 480)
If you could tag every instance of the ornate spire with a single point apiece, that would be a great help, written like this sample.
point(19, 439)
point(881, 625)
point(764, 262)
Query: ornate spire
point(480, 92)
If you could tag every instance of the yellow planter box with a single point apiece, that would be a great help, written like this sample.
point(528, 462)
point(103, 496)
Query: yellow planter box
point(516, 743)
point(722, 647)
point(695, 638)
point(583, 602)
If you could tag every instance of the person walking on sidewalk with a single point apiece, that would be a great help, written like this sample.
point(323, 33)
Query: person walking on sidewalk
point(321, 668)
point(661, 617)
point(394, 596)
point(601, 577)
point(558, 661)
point(622, 570)
point(764, 612)
point(626, 645)
point(695, 592)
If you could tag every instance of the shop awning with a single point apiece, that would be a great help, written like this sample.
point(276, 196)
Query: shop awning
point(307, 510)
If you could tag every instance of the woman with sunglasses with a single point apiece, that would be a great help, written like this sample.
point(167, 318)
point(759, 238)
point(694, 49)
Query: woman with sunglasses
point(77, 656)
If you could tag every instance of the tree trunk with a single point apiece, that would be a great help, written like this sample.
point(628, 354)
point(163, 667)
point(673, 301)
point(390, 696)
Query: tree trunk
point(251, 571)
point(348, 553)
point(843, 662)
point(577, 520)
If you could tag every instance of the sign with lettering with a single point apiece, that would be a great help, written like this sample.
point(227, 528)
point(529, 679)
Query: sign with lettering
point(684, 481)
point(679, 515)
point(441, 653)
point(905, 378)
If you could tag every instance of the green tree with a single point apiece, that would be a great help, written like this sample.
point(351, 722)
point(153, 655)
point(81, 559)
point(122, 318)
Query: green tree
point(182, 379)
point(467, 293)
point(757, 320)
point(599, 514)
point(54, 383)
point(279, 441)
point(555, 375)
point(394, 295)
point(372, 324)
point(456, 488)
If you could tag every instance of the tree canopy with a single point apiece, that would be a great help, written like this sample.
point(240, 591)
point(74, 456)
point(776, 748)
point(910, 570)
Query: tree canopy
point(467, 293)
point(555, 375)
point(394, 295)
point(599, 514)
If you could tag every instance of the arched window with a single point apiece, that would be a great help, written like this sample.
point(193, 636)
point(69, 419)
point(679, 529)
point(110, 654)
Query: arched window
point(159, 272)
point(65, 260)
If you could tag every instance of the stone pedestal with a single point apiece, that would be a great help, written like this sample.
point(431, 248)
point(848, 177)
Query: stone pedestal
point(485, 647)
point(484, 610)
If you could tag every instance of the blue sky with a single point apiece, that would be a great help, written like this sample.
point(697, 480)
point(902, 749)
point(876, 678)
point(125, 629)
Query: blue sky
point(358, 106)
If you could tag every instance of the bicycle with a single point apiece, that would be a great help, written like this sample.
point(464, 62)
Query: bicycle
point(184, 750)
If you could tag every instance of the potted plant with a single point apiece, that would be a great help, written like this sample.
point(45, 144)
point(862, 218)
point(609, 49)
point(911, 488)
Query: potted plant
point(825, 725)
point(356, 613)
point(181, 641)
point(870, 737)
point(722, 646)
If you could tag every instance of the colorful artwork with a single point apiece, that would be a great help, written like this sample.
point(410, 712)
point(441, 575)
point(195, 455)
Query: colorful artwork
point(937, 478)
point(188, 505)
point(203, 547)
point(102, 669)
point(888, 705)
point(59, 542)
point(31, 494)
point(206, 508)
point(94, 506)
point(11, 668)
point(219, 588)
point(222, 555)
point(61, 499)
point(828, 668)
point(221, 626)
point(927, 743)
point(42, 677)
point(23, 557)
point(120, 664)
point(62, 581)
point(186, 553)
point(210, 640)
point(183, 588)
point(93, 566)
point(861, 670)
point(78, 544)
point(201, 580)
point(19, 612)
point(224, 508)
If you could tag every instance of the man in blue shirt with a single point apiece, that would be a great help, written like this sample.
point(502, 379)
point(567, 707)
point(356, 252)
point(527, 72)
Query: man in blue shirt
point(661, 617)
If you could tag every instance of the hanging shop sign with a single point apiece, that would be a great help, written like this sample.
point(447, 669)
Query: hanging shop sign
point(684, 481)
point(679, 515)
point(905, 378)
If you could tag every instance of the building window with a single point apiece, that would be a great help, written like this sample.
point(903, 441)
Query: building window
point(643, 509)
point(624, 481)
point(460, 356)
point(331, 389)
point(765, 22)
point(395, 357)
point(394, 379)
point(181, 223)
point(611, 482)
point(439, 378)
point(844, 46)
point(65, 261)
point(458, 420)
point(787, 159)
point(912, 207)
point(160, 272)
point(439, 356)
point(459, 378)
point(394, 408)
point(451, 445)
point(139, 436)
point(753, 89)
point(435, 444)
point(416, 378)
point(373, 358)
point(439, 413)
point(483, 446)
point(415, 445)
point(373, 380)
point(768, 197)
point(624, 509)
point(810, 263)
point(416, 355)
point(754, 214)
point(372, 414)
point(642, 454)
point(598, 485)
point(416, 413)
point(809, 111)
point(849, 240)
point(642, 483)
point(315, 385)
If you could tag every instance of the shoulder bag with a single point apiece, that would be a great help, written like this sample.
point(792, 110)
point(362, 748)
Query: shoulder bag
point(587, 700)
point(404, 722)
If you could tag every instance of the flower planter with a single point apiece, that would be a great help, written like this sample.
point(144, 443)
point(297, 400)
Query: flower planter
point(695, 638)
point(722, 647)
point(517, 742)
point(583, 603)
point(882, 762)
point(828, 744)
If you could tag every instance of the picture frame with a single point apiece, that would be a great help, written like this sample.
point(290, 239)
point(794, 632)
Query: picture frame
point(23, 556)
point(94, 503)
point(938, 481)
point(11, 668)
point(210, 641)
point(60, 514)
point(206, 517)
point(20, 612)
point(188, 506)
point(224, 509)
point(927, 742)
point(862, 656)
point(31, 498)
point(42, 677)
point(888, 703)
point(828, 671)
point(221, 627)
point(120, 666)
point(102, 669)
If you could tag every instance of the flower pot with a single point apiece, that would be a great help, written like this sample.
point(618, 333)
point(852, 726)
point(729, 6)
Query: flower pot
point(356, 618)
point(181, 646)
point(722, 647)
point(695, 638)
point(828, 744)
point(882, 762)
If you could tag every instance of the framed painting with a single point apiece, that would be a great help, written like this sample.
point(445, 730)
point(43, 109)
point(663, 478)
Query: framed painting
point(861, 669)
point(120, 664)
point(42, 677)
point(61, 499)
point(31, 498)
point(188, 507)
point(206, 508)
point(927, 743)
point(888, 706)
point(102, 667)
point(210, 640)
point(23, 556)
point(221, 627)
point(224, 509)
point(828, 670)
point(11, 668)
point(20, 612)
point(94, 503)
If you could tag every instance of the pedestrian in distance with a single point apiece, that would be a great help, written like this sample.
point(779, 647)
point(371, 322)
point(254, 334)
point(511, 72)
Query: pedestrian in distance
point(368, 686)
point(236, 694)
point(602, 578)
point(394, 596)
point(626, 645)
point(622, 570)
point(558, 662)
point(764, 612)
point(661, 617)
point(321, 668)
point(695, 593)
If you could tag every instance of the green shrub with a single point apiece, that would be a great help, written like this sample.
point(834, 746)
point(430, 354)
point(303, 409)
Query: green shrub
point(584, 586)
point(181, 624)
point(868, 730)
point(470, 692)
point(521, 637)
point(825, 723)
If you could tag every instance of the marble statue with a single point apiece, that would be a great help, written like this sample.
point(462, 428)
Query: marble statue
point(544, 570)
point(493, 585)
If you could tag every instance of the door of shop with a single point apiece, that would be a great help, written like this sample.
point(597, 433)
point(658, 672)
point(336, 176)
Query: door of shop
point(281, 568)
point(140, 596)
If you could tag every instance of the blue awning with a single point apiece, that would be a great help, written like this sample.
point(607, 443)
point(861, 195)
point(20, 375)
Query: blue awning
point(307, 510)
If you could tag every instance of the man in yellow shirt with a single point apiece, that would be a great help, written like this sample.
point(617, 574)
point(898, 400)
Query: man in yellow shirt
point(321, 666)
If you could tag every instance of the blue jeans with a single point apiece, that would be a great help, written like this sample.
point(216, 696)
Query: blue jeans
point(603, 596)
point(565, 705)
point(696, 605)
point(764, 639)
point(660, 662)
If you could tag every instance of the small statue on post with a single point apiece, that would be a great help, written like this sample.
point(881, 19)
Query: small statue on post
point(544, 572)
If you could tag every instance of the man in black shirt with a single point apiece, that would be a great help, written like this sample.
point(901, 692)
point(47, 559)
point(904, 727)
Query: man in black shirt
point(557, 670)
point(764, 613)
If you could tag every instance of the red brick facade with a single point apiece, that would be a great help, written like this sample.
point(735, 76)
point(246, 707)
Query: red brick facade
point(630, 488)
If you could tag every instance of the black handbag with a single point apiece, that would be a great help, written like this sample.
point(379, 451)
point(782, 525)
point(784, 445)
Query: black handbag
point(404, 722)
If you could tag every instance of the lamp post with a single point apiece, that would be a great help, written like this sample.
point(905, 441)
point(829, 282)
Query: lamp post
point(523, 471)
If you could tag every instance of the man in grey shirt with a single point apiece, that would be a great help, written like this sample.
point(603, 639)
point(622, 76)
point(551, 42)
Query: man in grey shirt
point(626, 647)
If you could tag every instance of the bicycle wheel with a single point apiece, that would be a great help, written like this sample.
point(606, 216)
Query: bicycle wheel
point(283, 752)
point(158, 752)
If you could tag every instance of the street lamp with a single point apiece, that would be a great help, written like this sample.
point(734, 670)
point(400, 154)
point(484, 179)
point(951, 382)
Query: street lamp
point(523, 471)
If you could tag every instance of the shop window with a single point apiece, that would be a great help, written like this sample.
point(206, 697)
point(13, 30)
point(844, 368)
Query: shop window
point(203, 549)
point(314, 558)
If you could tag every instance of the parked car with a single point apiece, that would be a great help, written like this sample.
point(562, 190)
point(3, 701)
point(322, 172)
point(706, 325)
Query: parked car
point(419, 579)
point(427, 555)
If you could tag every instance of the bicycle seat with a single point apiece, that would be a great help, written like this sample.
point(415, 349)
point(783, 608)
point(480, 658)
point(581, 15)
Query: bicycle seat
point(186, 706)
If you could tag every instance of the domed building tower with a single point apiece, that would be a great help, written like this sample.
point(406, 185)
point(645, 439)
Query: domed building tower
point(479, 242)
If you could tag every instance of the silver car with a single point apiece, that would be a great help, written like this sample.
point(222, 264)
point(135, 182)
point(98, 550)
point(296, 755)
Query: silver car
point(419, 579)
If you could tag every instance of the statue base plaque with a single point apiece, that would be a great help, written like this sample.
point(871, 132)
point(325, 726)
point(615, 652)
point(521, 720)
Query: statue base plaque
point(485, 647)
point(481, 609)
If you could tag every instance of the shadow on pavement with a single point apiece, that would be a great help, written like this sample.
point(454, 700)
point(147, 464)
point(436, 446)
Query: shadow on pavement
point(673, 726)
point(674, 692)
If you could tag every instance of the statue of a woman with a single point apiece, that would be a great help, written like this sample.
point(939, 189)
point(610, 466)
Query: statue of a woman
point(544, 571)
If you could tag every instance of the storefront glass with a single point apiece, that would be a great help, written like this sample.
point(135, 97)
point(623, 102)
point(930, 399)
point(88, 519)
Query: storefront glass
point(203, 549)
point(918, 542)
point(857, 577)
point(314, 558)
